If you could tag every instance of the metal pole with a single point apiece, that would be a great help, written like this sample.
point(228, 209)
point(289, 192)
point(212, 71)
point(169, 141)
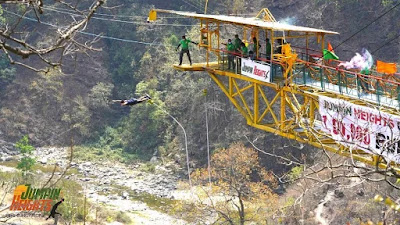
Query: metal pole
point(186, 145)
point(205, 9)
point(208, 145)
point(84, 208)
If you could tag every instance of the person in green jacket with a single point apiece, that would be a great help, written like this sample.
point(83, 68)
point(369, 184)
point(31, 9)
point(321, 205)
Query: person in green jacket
point(237, 43)
point(230, 47)
point(268, 49)
point(254, 49)
point(184, 43)
point(364, 80)
point(244, 50)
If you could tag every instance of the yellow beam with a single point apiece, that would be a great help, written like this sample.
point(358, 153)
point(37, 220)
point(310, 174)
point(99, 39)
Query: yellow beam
point(243, 90)
point(285, 126)
point(233, 100)
point(243, 99)
point(283, 108)
point(269, 108)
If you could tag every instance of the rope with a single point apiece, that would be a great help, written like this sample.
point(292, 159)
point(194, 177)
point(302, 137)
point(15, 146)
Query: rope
point(113, 15)
point(124, 21)
point(87, 33)
point(368, 25)
point(386, 43)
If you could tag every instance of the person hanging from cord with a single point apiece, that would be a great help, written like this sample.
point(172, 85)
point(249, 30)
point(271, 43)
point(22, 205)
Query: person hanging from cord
point(53, 212)
point(184, 44)
point(133, 101)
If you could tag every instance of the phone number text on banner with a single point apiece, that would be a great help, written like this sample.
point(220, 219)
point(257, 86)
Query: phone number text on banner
point(365, 128)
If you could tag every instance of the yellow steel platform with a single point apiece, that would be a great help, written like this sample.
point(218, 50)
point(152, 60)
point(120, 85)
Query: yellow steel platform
point(196, 66)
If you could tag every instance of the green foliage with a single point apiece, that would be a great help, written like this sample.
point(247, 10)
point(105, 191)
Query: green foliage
point(295, 173)
point(98, 154)
point(148, 167)
point(289, 202)
point(99, 94)
point(387, 3)
point(78, 116)
point(2, 19)
point(72, 208)
point(173, 40)
point(23, 145)
point(123, 218)
point(26, 149)
point(142, 131)
point(26, 163)
point(7, 73)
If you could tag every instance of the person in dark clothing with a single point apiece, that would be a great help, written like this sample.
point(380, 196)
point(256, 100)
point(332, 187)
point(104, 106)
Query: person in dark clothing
point(279, 43)
point(267, 49)
point(237, 43)
point(230, 47)
point(244, 50)
point(54, 208)
point(364, 80)
point(184, 43)
point(134, 101)
point(255, 49)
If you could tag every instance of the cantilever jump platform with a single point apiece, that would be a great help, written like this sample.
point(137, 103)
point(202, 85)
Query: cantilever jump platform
point(288, 92)
point(196, 66)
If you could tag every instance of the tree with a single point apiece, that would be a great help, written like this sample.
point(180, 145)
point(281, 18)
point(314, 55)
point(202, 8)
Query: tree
point(243, 183)
point(26, 149)
point(7, 73)
point(18, 41)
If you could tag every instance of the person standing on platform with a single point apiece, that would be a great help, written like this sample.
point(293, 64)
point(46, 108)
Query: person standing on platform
point(267, 49)
point(230, 47)
point(255, 48)
point(184, 44)
point(237, 43)
point(244, 50)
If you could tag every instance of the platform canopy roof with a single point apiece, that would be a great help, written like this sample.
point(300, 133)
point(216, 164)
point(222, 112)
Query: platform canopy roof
point(252, 21)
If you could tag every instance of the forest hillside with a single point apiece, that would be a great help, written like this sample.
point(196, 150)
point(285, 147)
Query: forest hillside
point(71, 103)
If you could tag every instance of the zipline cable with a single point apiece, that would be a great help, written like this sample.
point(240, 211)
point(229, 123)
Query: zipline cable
point(113, 15)
point(386, 43)
point(199, 7)
point(87, 33)
point(125, 21)
point(367, 25)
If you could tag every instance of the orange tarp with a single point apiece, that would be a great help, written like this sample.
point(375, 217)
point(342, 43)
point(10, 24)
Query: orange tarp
point(383, 67)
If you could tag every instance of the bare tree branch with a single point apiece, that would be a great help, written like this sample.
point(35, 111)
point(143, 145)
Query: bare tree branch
point(12, 43)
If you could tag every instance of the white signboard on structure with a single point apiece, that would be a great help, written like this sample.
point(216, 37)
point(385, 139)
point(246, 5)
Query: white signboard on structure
point(255, 70)
point(361, 127)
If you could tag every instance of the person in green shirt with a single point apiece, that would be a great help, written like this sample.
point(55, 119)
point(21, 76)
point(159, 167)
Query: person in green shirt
point(237, 43)
point(268, 49)
point(244, 50)
point(364, 80)
point(231, 49)
point(184, 43)
point(254, 49)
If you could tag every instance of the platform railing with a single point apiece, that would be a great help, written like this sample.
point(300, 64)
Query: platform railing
point(276, 70)
point(325, 75)
point(310, 70)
